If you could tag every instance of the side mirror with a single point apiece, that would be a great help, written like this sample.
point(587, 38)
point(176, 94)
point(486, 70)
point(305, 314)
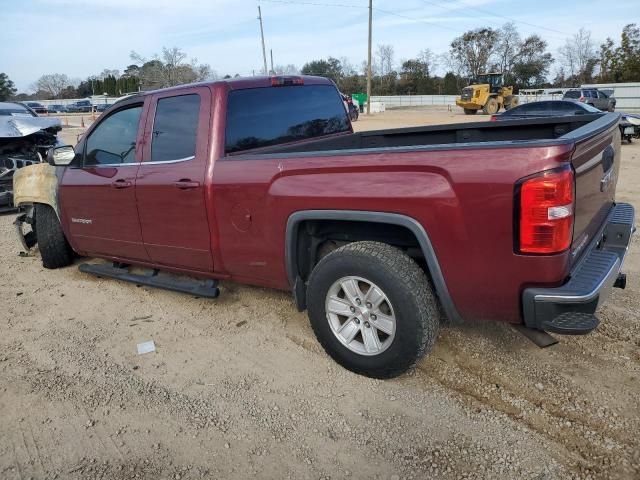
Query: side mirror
point(61, 156)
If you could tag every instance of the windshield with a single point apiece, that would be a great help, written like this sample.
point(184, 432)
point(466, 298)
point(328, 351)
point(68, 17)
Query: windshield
point(590, 108)
point(14, 109)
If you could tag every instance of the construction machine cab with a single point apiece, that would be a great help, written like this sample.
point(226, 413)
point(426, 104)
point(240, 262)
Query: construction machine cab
point(494, 80)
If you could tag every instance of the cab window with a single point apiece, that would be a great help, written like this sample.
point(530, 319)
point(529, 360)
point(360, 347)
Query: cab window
point(175, 128)
point(114, 140)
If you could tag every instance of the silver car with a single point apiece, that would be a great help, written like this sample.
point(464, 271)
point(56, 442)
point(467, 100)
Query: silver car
point(591, 96)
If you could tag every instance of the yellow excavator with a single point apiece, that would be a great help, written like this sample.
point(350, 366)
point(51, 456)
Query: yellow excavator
point(487, 92)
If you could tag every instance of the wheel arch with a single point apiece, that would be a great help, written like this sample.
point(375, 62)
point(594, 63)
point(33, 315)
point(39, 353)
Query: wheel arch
point(384, 218)
point(36, 184)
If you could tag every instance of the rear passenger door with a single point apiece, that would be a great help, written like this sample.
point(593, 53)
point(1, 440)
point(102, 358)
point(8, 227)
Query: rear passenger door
point(170, 186)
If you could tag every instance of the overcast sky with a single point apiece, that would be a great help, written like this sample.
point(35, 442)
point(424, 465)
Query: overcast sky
point(81, 38)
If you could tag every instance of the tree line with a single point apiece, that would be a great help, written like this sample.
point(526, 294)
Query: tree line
point(525, 61)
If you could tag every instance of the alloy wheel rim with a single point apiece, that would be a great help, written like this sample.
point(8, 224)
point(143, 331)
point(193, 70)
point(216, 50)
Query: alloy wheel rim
point(360, 315)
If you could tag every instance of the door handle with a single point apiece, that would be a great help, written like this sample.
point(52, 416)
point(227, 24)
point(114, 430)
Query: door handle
point(121, 184)
point(186, 184)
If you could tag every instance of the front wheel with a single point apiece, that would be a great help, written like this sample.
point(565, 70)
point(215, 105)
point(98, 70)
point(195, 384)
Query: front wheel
point(54, 248)
point(470, 111)
point(372, 309)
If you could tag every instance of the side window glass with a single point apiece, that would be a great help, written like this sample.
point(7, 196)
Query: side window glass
point(114, 140)
point(175, 128)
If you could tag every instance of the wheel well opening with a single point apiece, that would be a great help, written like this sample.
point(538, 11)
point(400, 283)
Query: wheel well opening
point(317, 238)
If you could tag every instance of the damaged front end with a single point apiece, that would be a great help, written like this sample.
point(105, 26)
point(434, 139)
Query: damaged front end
point(24, 141)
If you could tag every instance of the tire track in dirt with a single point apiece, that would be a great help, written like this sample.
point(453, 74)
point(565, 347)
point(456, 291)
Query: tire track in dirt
point(591, 445)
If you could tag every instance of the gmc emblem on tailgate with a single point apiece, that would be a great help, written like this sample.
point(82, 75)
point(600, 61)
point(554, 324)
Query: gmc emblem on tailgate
point(606, 181)
point(607, 165)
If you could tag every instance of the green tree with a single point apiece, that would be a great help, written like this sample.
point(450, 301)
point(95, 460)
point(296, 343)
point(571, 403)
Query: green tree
point(329, 68)
point(414, 77)
point(451, 84)
point(630, 55)
point(472, 51)
point(7, 88)
point(532, 64)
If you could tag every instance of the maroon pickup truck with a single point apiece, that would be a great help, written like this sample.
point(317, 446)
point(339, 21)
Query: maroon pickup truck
point(381, 235)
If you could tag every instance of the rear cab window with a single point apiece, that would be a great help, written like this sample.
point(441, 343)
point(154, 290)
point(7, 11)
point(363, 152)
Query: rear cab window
point(175, 128)
point(263, 117)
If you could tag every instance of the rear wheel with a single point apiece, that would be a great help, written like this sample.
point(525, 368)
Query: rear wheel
point(54, 248)
point(470, 111)
point(491, 107)
point(372, 309)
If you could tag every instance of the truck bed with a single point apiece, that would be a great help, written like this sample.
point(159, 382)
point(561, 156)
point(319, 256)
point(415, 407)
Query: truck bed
point(548, 130)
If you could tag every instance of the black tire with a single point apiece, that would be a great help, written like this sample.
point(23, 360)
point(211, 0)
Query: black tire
point(407, 288)
point(470, 111)
point(54, 248)
point(510, 102)
point(31, 238)
point(491, 107)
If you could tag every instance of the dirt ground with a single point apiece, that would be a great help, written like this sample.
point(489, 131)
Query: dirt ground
point(239, 387)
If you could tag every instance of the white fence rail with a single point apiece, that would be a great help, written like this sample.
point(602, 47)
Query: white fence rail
point(627, 97)
point(97, 100)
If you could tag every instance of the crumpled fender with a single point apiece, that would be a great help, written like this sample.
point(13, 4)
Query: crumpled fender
point(36, 184)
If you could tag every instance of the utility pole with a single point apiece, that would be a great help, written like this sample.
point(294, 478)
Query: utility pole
point(264, 52)
point(271, 53)
point(369, 61)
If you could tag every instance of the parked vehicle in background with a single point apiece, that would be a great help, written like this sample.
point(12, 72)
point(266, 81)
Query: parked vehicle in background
point(630, 126)
point(593, 97)
point(36, 107)
point(559, 108)
point(24, 140)
point(350, 107)
point(488, 93)
point(101, 107)
point(81, 106)
point(16, 109)
point(57, 108)
point(379, 234)
point(547, 108)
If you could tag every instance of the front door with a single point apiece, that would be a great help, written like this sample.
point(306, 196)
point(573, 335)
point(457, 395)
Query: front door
point(97, 195)
point(170, 186)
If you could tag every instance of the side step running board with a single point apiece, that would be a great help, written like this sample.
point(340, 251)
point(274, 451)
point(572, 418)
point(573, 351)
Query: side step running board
point(199, 288)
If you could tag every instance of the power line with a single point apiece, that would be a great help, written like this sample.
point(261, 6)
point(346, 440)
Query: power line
point(375, 9)
point(487, 12)
point(417, 20)
point(317, 4)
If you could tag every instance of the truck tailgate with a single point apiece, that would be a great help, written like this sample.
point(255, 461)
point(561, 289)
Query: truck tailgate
point(596, 161)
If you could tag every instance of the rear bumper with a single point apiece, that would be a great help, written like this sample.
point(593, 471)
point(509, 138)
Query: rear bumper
point(570, 307)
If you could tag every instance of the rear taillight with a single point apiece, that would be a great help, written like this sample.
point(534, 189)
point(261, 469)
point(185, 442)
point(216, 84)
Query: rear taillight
point(493, 118)
point(546, 212)
point(282, 81)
